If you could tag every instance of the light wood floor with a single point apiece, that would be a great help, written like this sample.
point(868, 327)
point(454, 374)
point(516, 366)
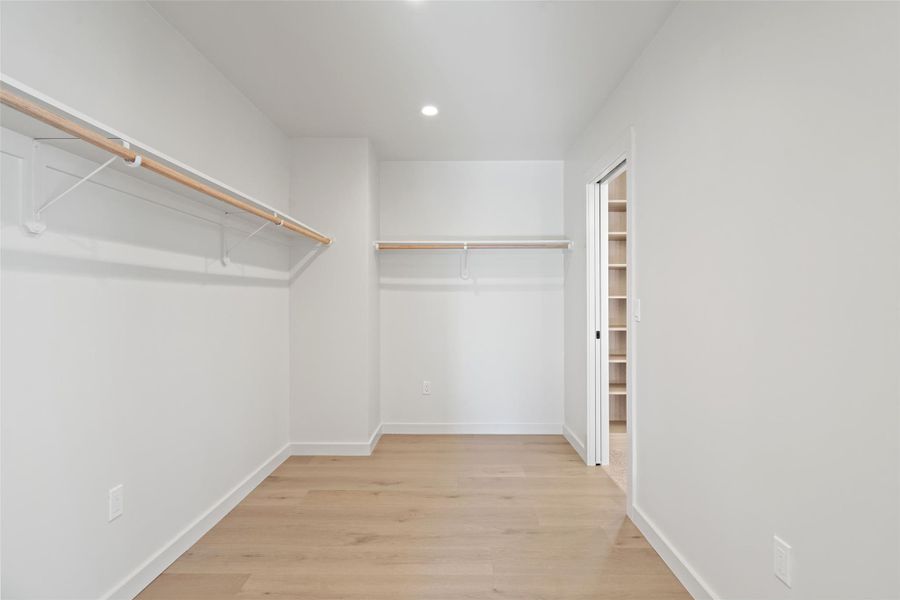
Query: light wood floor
point(427, 517)
point(617, 468)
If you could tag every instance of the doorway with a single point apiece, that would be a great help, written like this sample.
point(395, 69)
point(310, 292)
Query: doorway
point(612, 316)
point(613, 297)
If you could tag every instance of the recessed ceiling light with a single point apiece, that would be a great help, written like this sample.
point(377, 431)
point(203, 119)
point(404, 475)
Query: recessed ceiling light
point(429, 110)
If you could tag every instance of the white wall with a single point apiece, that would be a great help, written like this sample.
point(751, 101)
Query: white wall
point(767, 263)
point(491, 346)
point(121, 63)
point(167, 380)
point(334, 299)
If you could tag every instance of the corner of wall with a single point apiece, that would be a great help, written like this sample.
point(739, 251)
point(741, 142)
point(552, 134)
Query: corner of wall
point(133, 583)
point(335, 401)
point(374, 227)
point(689, 578)
point(576, 442)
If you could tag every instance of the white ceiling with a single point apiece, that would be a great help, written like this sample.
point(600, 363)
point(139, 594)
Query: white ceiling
point(513, 80)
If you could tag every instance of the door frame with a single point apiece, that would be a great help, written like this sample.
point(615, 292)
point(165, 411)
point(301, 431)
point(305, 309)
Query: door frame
point(597, 443)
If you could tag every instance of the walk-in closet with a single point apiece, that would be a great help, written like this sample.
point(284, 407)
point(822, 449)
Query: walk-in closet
point(444, 300)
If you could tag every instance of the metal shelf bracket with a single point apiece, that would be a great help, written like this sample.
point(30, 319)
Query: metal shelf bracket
point(464, 265)
point(227, 250)
point(36, 226)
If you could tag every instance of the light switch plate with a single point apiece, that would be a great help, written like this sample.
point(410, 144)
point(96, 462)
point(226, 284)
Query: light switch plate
point(782, 558)
point(116, 502)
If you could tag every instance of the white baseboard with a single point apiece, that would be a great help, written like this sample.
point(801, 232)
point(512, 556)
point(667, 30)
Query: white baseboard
point(474, 428)
point(132, 585)
point(576, 443)
point(375, 438)
point(141, 577)
point(695, 585)
point(330, 449)
point(337, 448)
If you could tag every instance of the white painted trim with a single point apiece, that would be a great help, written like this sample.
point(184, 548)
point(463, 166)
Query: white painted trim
point(590, 264)
point(624, 150)
point(575, 442)
point(141, 577)
point(633, 293)
point(330, 449)
point(475, 428)
point(597, 448)
point(375, 438)
point(689, 578)
point(338, 448)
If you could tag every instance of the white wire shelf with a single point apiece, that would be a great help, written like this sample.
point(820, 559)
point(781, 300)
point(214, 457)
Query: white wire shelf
point(286, 227)
point(541, 244)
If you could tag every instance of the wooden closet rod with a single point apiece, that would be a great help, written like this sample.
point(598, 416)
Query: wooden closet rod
point(92, 137)
point(477, 245)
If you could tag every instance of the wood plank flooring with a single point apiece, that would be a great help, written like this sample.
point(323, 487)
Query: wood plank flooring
point(427, 517)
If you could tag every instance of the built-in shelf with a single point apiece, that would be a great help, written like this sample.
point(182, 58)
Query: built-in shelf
point(616, 273)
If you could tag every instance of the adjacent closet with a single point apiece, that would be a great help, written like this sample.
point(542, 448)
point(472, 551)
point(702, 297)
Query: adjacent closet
point(617, 219)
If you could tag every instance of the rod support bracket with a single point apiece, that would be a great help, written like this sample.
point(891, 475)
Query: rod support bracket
point(137, 157)
point(226, 250)
point(464, 267)
point(99, 139)
point(35, 227)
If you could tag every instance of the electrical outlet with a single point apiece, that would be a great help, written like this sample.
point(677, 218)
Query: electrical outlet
point(426, 388)
point(116, 502)
point(782, 557)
